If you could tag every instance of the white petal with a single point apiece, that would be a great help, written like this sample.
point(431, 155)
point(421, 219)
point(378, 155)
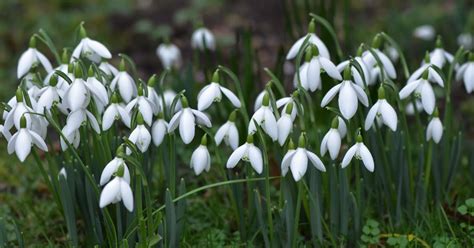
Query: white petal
point(330, 68)
point(207, 96)
point(409, 88)
point(330, 95)
point(11, 143)
point(202, 118)
point(187, 126)
point(434, 76)
point(174, 122)
point(369, 120)
point(221, 132)
point(299, 164)
point(236, 156)
point(334, 143)
point(23, 145)
point(324, 143)
point(109, 117)
point(38, 141)
point(349, 155)
point(295, 48)
point(387, 64)
point(313, 74)
point(316, 161)
point(427, 98)
point(44, 61)
point(158, 131)
point(270, 124)
point(127, 195)
point(366, 157)
point(347, 101)
point(233, 136)
point(285, 163)
point(110, 192)
point(389, 115)
point(255, 157)
point(284, 128)
point(231, 96)
point(109, 170)
point(98, 48)
point(26, 61)
point(361, 94)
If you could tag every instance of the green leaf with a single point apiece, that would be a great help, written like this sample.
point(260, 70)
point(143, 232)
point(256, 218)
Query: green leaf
point(462, 209)
point(470, 202)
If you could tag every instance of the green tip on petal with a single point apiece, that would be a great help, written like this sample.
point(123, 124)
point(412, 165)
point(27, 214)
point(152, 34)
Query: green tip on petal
point(233, 116)
point(266, 99)
point(114, 98)
point(436, 112)
point(377, 41)
point(152, 81)
point(184, 102)
point(77, 71)
point(291, 144)
point(64, 57)
point(335, 123)
point(204, 140)
point(439, 42)
point(425, 74)
point(23, 121)
point(381, 92)
point(215, 76)
point(122, 65)
point(82, 31)
point(312, 26)
point(359, 139)
point(427, 58)
point(289, 108)
point(53, 80)
point(302, 140)
point(360, 50)
point(120, 170)
point(19, 95)
point(90, 72)
point(347, 73)
point(32, 43)
point(140, 120)
point(250, 139)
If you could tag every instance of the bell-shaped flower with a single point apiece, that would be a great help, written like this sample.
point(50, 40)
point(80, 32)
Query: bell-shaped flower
point(89, 48)
point(31, 58)
point(21, 142)
point(169, 96)
point(72, 137)
point(117, 190)
point(247, 152)
point(424, 32)
point(264, 118)
point(360, 152)
point(125, 84)
point(412, 108)
point(466, 40)
point(5, 133)
point(423, 90)
point(48, 96)
point(332, 140)
point(434, 131)
point(465, 73)
point(169, 55)
point(285, 101)
point(203, 39)
point(158, 130)
point(358, 77)
point(297, 160)
point(201, 159)
point(144, 106)
point(371, 61)
point(77, 96)
point(349, 94)
point(228, 132)
point(152, 96)
point(213, 93)
point(309, 74)
point(383, 111)
point(433, 75)
point(77, 118)
point(439, 56)
point(109, 69)
point(113, 166)
point(97, 90)
point(113, 112)
point(140, 136)
point(285, 124)
point(313, 39)
point(186, 119)
point(19, 109)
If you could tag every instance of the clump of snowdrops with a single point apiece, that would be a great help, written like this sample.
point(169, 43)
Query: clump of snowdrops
point(354, 135)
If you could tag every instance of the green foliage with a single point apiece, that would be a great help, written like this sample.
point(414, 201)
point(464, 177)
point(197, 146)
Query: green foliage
point(370, 233)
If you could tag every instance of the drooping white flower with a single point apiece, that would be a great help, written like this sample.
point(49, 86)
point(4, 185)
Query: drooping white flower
point(247, 152)
point(140, 136)
point(358, 79)
point(383, 111)
point(108, 68)
point(118, 189)
point(125, 84)
point(48, 96)
point(439, 56)
point(113, 112)
point(91, 49)
point(361, 152)
point(77, 118)
point(21, 142)
point(31, 58)
point(153, 97)
point(313, 39)
point(62, 173)
point(412, 108)
point(169, 54)
point(332, 140)
point(423, 90)
point(349, 94)
point(309, 74)
point(285, 101)
point(434, 131)
point(186, 119)
point(372, 64)
point(19, 109)
point(424, 32)
point(201, 159)
point(73, 138)
point(228, 132)
point(213, 93)
point(433, 75)
point(169, 96)
point(466, 40)
point(285, 124)
point(97, 91)
point(265, 118)
point(465, 73)
point(144, 106)
point(203, 39)
point(297, 160)
point(77, 96)
point(113, 166)
point(392, 53)
point(158, 130)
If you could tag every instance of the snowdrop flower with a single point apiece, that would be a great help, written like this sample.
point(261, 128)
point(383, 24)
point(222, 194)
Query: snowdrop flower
point(358, 79)
point(247, 152)
point(21, 142)
point(285, 124)
point(423, 90)
point(297, 160)
point(264, 117)
point(113, 166)
point(424, 32)
point(228, 132)
point(439, 56)
point(186, 119)
point(97, 90)
point(77, 96)
point(383, 111)
point(125, 84)
point(433, 75)
point(117, 190)
point(63, 67)
point(48, 96)
point(109, 69)
point(213, 93)
point(140, 136)
point(203, 39)
point(392, 53)
point(371, 61)
point(5, 133)
point(158, 130)
point(342, 128)
point(466, 40)
point(62, 173)
point(115, 111)
point(77, 118)
point(332, 140)
point(313, 39)
point(258, 100)
point(285, 101)
point(169, 55)
point(466, 73)
point(201, 159)
point(153, 96)
point(31, 58)
point(145, 107)
point(410, 107)
point(361, 152)
point(73, 138)
point(89, 48)
point(310, 72)
point(434, 131)
point(19, 110)
point(169, 96)
point(349, 94)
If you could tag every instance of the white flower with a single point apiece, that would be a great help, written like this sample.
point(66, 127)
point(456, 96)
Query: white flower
point(186, 119)
point(153, 97)
point(5, 133)
point(19, 109)
point(203, 39)
point(361, 152)
point(113, 166)
point(371, 61)
point(313, 39)
point(382, 110)
point(169, 55)
point(158, 130)
point(424, 32)
point(265, 118)
point(229, 133)
point(98, 91)
point(91, 49)
point(125, 84)
point(466, 40)
point(73, 138)
point(77, 96)
point(247, 152)
point(310, 72)
point(48, 96)
point(62, 173)
point(410, 107)
point(21, 142)
point(30, 58)
point(140, 136)
point(423, 90)
point(169, 96)
point(439, 56)
point(297, 161)
point(466, 74)
point(144, 106)
point(433, 75)
point(349, 94)
point(114, 112)
point(285, 124)
point(434, 131)
point(358, 79)
point(77, 118)
point(392, 53)
point(108, 68)
point(213, 93)
point(284, 102)
point(201, 159)
point(119, 188)
point(332, 140)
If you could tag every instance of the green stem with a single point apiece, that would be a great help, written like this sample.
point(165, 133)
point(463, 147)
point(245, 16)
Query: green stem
point(429, 156)
point(297, 214)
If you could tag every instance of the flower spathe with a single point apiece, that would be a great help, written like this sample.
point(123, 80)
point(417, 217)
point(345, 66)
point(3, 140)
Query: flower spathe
point(201, 159)
point(360, 152)
point(247, 152)
point(213, 93)
point(264, 118)
point(30, 58)
point(203, 39)
point(297, 160)
point(383, 111)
